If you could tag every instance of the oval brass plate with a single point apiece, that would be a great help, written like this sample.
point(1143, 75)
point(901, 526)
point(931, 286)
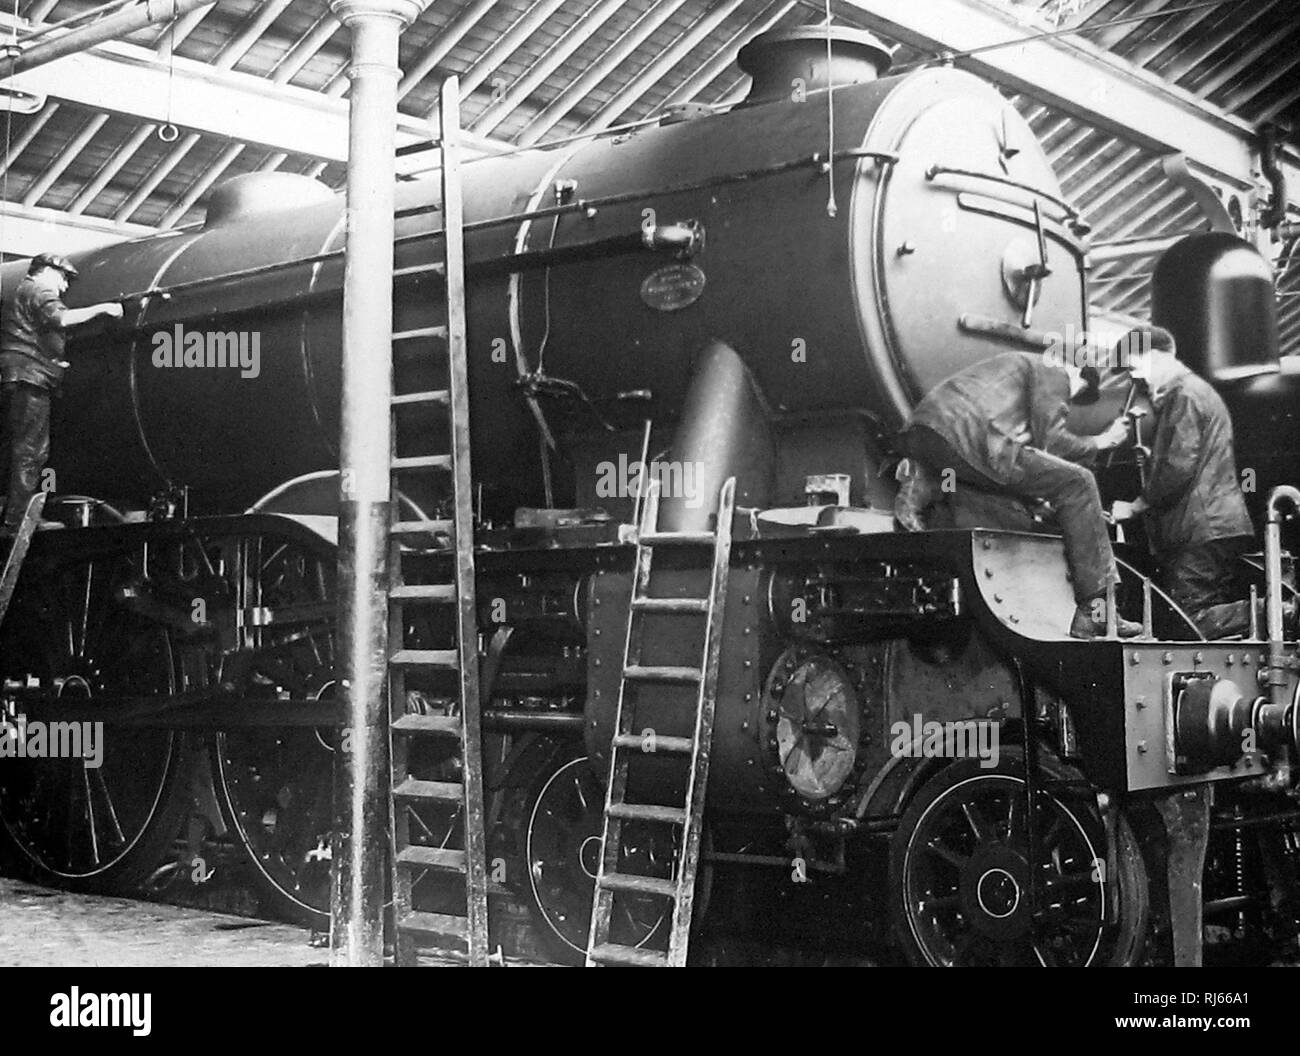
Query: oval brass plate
point(672, 287)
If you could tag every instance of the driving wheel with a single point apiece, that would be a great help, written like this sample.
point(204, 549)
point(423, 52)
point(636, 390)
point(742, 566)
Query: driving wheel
point(966, 892)
point(104, 822)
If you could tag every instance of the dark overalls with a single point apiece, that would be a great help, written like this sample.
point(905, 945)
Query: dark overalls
point(999, 425)
point(1198, 515)
point(31, 370)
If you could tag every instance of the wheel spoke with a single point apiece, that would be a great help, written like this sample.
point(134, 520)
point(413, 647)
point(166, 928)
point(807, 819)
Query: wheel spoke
point(90, 813)
point(1070, 880)
point(1052, 835)
point(939, 903)
point(109, 807)
point(71, 820)
point(978, 825)
point(1015, 814)
point(942, 850)
point(80, 654)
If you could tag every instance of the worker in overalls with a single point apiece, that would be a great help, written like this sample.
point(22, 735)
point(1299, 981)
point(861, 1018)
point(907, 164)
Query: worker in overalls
point(32, 325)
point(1195, 513)
point(999, 426)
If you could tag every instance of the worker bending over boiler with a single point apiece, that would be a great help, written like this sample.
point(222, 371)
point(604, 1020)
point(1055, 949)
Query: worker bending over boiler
point(999, 425)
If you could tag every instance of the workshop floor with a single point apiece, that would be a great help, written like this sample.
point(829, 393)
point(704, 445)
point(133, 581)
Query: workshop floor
point(47, 928)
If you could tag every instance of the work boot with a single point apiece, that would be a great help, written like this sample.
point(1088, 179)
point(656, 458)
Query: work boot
point(1086, 624)
point(916, 491)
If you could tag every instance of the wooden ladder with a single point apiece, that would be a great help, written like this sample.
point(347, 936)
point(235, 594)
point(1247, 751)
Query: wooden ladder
point(692, 752)
point(22, 540)
point(458, 803)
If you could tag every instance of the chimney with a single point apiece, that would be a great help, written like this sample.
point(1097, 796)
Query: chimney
point(778, 59)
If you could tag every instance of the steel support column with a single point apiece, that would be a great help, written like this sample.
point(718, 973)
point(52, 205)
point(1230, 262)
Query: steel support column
point(361, 766)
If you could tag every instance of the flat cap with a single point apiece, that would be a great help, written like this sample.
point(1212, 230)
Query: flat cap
point(52, 260)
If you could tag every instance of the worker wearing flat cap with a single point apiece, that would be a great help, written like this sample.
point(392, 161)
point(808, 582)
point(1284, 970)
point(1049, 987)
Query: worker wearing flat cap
point(1195, 512)
point(32, 325)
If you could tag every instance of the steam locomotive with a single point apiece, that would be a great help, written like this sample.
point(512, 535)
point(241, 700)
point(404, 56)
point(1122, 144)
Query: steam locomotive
point(760, 294)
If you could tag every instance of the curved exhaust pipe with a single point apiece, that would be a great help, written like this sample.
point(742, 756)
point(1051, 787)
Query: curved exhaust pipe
point(1269, 148)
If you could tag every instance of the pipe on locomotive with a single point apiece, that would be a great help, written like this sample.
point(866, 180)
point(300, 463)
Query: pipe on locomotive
point(1215, 722)
point(1278, 663)
point(1269, 150)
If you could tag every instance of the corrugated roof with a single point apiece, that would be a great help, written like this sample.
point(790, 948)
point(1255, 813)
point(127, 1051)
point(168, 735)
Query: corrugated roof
point(543, 69)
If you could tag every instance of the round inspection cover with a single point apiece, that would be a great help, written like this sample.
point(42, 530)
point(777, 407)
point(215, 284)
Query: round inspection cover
point(817, 728)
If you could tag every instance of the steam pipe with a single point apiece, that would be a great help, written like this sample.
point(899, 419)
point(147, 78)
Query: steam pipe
point(1272, 716)
point(114, 27)
point(1268, 151)
point(1273, 565)
point(91, 14)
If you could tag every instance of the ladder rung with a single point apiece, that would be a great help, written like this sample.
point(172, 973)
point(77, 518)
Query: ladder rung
point(423, 592)
point(448, 725)
point(612, 953)
point(422, 462)
point(677, 539)
point(652, 744)
point(445, 859)
point(443, 658)
point(442, 791)
point(419, 332)
point(639, 885)
point(441, 396)
point(671, 605)
point(432, 268)
point(646, 812)
point(637, 673)
point(421, 527)
point(442, 924)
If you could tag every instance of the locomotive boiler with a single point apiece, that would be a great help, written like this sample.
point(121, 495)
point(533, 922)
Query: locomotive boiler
point(760, 294)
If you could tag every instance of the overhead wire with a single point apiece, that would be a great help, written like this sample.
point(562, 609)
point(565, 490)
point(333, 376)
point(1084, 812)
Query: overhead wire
point(11, 53)
point(167, 131)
